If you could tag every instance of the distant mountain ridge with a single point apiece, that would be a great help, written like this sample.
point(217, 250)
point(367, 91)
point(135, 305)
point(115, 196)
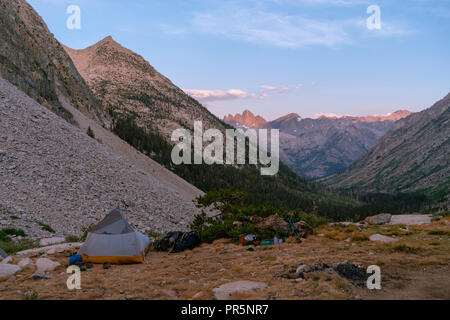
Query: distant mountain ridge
point(413, 156)
point(247, 118)
point(321, 147)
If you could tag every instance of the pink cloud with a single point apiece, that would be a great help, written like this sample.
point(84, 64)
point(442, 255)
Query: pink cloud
point(214, 95)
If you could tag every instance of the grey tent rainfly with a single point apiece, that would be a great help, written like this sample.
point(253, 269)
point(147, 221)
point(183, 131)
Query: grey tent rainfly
point(113, 240)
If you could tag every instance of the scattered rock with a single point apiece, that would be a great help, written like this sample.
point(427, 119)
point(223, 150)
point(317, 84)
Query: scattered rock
point(170, 293)
point(40, 275)
point(319, 265)
point(303, 229)
point(345, 224)
point(25, 262)
point(3, 254)
point(224, 291)
point(352, 272)
point(302, 268)
point(198, 295)
point(381, 218)
point(159, 283)
point(106, 265)
point(44, 264)
point(381, 238)
point(410, 219)
point(7, 260)
point(8, 270)
point(329, 270)
point(30, 295)
point(50, 241)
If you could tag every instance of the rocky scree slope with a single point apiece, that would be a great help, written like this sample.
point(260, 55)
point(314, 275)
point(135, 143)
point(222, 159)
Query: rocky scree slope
point(54, 174)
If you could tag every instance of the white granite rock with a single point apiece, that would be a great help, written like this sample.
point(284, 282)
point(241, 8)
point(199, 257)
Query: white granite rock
point(381, 238)
point(8, 270)
point(410, 219)
point(50, 241)
point(44, 264)
point(224, 291)
point(25, 262)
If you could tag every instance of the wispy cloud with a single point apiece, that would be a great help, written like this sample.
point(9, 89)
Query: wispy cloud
point(270, 22)
point(272, 28)
point(279, 89)
point(324, 2)
point(215, 95)
point(172, 30)
point(276, 89)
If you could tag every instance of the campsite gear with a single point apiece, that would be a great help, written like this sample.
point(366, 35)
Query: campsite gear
point(247, 239)
point(250, 248)
point(177, 241)
point(266, 243)
point(113, 240)
point(80, 265)
point(75, 258)
point(277, 241)
point(291, 225)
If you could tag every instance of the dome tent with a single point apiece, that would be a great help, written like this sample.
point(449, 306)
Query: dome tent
point(113, 240)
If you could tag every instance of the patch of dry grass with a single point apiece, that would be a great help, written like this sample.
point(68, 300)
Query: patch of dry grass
point(193, 274)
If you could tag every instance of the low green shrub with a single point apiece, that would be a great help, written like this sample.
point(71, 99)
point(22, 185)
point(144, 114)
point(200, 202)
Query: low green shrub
point(12, 247)
point(46, 227)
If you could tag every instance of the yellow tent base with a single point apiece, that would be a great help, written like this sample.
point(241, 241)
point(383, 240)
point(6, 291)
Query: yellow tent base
point(113, 259)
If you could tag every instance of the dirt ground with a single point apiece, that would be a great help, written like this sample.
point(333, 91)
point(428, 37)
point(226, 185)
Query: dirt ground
point(414, 267)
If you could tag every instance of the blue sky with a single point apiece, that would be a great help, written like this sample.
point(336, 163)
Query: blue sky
point(274, 57)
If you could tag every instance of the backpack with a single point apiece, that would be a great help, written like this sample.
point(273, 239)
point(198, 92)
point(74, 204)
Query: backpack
point(177, 241)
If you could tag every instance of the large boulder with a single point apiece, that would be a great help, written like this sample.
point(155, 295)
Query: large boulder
point(273, 223)
point(8, 270)
point(224, 291)
point(303, 229)
point(57, 247)
point(44, 264)
point(410, 219)
point(381, 218)
point(50, 241)
point(7, 260)
point(25, 262)
point(381, 238)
